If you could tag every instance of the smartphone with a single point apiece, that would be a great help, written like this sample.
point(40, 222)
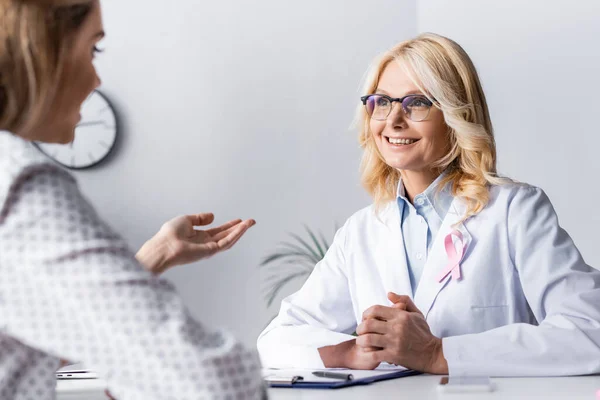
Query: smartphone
point(75, 371)
point(463, 384)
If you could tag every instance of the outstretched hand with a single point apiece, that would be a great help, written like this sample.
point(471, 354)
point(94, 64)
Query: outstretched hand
point(179, 241)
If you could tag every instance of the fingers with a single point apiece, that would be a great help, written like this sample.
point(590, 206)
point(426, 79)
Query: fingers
point(246, 224)
point(396, 298)
point(371, 340)
point(235, 240)
point(233, 232)
point(224, 227)
point(201, 219)
point(233, 236)
point(203, 245)
point(379, 312)
point(372, 326)
point(370, 349)
point(409, 305)
point(218, 232)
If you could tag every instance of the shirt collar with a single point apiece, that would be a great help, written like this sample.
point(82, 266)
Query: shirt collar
point(441, 200)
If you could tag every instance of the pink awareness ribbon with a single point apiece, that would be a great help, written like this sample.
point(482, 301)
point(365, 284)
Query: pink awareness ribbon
point(454, 258)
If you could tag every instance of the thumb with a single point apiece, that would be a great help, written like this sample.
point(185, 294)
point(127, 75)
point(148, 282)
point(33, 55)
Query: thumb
point(201, 219)
point(405, 300)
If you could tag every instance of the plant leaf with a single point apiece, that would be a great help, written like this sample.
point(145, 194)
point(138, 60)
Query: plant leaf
point(274, 273)
point(275, 279)
point(274, 290)
point(307, 246)
point(283, 254)
point(286, 266)
point(325, 243)
point(313, 257)
point(294, 259)
point(315, 241)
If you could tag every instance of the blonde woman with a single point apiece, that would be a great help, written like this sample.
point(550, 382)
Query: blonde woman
point(452, 269)
point(69, 286)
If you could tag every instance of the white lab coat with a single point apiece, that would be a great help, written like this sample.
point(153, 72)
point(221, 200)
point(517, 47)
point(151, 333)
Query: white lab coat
point(527, 304)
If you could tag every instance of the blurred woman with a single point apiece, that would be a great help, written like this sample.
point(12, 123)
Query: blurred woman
point(70, 287)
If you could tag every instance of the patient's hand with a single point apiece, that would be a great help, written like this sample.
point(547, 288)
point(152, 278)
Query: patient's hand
point(177, 242)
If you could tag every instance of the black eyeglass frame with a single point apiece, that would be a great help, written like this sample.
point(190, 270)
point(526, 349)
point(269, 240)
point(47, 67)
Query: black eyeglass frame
point(399, 100)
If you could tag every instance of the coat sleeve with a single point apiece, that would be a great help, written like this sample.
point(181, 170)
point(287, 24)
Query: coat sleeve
point(562, 291)
point(319, 314)
point(70, 288)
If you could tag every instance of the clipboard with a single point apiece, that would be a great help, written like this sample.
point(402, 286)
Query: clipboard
point(304, 379)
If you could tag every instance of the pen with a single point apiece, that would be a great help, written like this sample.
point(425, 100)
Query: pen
point(334, 375)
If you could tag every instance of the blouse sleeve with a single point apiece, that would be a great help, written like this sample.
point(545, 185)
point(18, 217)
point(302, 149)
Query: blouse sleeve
point(71, 288)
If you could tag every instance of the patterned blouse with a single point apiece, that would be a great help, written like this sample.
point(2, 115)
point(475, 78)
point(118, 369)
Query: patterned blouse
point(70, 288)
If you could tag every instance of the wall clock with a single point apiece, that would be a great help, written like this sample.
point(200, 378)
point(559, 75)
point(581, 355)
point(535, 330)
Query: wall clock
point(95, 136)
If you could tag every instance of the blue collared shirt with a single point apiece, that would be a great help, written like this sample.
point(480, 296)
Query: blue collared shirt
point(420, 224)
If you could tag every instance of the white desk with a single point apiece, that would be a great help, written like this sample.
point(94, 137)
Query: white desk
point(415, 387)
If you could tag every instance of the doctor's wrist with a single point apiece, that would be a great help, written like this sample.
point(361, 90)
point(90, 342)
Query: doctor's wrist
point(438, 364)
point(335, 356)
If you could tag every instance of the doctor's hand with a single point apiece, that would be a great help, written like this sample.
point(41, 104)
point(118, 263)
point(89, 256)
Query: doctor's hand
point(349, 355)
point(179, 241)
point(400, 335)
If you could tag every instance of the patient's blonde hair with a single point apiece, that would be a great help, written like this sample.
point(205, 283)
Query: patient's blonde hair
point(443, 71)
point(35, 36)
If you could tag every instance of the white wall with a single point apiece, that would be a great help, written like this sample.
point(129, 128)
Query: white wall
point(243, 109)
point(539, 62)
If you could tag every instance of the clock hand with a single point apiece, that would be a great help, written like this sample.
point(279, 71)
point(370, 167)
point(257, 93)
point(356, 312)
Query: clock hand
point(91, 123)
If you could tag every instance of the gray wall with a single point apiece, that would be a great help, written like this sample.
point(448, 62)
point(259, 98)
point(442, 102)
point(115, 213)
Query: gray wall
point(539, 62)
point(243, 109)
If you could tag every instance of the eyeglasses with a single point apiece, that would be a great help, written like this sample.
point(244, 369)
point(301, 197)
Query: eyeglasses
point(379, 106)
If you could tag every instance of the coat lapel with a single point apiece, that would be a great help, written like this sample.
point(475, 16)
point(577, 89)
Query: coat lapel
point(429, 287)
point(393, 254)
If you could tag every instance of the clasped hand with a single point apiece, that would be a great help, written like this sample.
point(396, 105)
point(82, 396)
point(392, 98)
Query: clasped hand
point(397, 335)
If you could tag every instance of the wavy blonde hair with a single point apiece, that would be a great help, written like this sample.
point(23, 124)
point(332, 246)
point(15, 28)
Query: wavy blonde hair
point(443, 71)
point(35, 36)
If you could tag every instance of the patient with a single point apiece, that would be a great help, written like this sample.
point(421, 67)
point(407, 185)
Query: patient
point(70, 288)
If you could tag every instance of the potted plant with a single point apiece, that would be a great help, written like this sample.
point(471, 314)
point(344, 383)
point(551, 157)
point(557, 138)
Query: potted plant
point(292, 260)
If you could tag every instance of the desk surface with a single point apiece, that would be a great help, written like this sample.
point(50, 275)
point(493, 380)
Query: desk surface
point(415, 387)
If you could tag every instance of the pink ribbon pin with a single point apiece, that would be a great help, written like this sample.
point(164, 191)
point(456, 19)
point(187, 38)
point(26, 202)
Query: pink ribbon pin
point(454, 258)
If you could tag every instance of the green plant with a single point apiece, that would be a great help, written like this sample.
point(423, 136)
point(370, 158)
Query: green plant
point(292, 260)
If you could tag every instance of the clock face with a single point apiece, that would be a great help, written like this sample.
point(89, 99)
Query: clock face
point(95, 136)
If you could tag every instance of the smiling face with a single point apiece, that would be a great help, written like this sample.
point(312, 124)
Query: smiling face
point(407, 145)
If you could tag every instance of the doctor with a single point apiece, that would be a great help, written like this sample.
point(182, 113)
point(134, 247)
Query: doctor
point(453, 269)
